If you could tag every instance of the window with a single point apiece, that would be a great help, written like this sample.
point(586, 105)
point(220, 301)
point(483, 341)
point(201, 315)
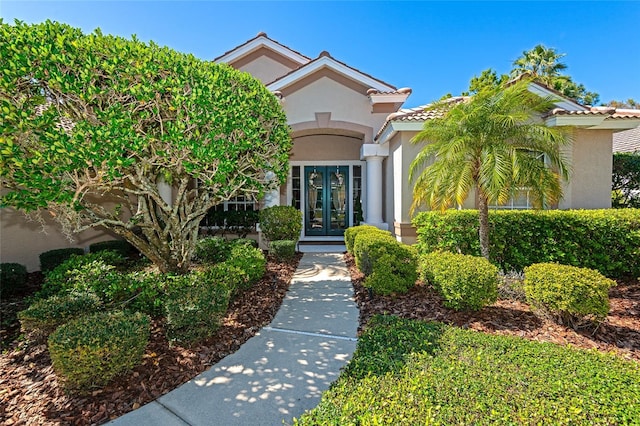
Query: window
point(239, 203)
point(522, 199)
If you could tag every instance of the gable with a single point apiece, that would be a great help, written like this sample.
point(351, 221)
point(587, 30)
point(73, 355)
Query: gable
point(264, 65)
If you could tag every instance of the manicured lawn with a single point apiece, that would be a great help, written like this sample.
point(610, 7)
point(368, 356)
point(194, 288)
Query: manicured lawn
point(415, 372)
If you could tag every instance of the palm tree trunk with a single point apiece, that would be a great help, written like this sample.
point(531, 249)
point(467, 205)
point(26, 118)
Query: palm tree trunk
point(483, 217)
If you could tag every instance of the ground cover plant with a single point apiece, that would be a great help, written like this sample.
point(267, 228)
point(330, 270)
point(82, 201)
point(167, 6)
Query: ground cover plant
point(413, 372)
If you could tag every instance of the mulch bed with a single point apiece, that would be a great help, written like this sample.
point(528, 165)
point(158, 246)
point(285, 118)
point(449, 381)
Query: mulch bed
point(619, 333)
point(30, 393)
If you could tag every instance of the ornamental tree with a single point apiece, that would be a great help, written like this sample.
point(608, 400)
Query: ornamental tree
point(92, 125)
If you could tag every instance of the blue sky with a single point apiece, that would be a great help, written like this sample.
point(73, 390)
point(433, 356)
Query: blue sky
point(432, 47)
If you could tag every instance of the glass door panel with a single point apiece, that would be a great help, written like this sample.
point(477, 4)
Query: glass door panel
point(326, 201)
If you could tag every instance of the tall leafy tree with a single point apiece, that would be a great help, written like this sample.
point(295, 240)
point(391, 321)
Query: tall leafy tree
point(544, 64)
point(489, 143)
point(626, 180)
point(629, 104)
point(92, 124)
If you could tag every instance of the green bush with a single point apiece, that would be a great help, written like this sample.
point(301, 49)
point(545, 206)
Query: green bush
point(52, 258)
point(45, 315)
point(408, 372)
point(212, 249)
point(123, 248)
point(281, 223)
point(605, 240)
point(245, 241)
point(78, 268)
point(464, 282)
point(250, 261)
point(351, 233)
point(197, 302)
point(92, 350)
point(389, 266)
point(13, 277)
point(363, 239)
point(566, 293)
point(283, 249)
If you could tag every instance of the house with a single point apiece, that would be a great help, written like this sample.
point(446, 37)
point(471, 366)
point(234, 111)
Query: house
point(627, 141)
point(352, 150)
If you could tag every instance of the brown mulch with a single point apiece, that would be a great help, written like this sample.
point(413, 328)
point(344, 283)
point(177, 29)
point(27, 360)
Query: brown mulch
point(619, 333)
point(30, 393)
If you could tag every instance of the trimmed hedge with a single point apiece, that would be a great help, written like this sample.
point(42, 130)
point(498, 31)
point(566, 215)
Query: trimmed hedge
point(212, 249)
point(389, 266)
point(464, 282)
point(283, 249)
point(566, 293)
point(52, 258)
point(245, 241)
point(408, 372)
point(45, 315)
point(281, 223)
point(350, 234)
point(197, 302)
point(250, 261)
point(90, 351)
point(122, 247)
point(605, 240)
point(13, 277)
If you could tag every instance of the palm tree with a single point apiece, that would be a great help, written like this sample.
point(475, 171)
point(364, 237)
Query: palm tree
point(491, 143)
point(541, 62)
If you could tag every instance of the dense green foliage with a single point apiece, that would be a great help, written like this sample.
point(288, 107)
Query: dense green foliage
point(389, 266)
point(212, 249)
point(351, 233)
point(13, 276)
point(94, 126)
point(626, 180)
point(197, 302)
point(45, 315)
point(92, 350)
point(245, 241)
point(413, 373)
point(605, 240)
point(492, 144)
point(281, 223)
point(123, 248)
point(250, 261)
point(78, 267)
point(464, 282)
point(283, 249)
point(52, 258)
point(566, 293)
point(239, 222)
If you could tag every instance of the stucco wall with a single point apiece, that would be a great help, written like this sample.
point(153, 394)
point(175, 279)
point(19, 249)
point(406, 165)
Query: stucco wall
point(327, 95)
point(22, 241)
point(325, 148)
point(265, 69)
point(590, 181)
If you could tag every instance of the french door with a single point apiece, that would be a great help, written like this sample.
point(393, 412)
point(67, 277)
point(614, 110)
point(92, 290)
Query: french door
point(326, 201)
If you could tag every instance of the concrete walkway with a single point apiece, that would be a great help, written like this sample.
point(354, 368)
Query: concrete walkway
point(283, 370)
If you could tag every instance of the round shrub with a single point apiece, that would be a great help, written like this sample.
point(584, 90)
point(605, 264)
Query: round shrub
point(212, 250)
point(13, 276)
point(351, 233)
point(363, 240)
point(45, 315)
point(281, 223)
point(567, 294)
point(394, 267)
point(245, 241)
point(283, 249)
point(464, 282)
point(250, 261)
point(197, 302)
point(52, 258)
point(122, 247)
point(92, 350)
point(78, 269)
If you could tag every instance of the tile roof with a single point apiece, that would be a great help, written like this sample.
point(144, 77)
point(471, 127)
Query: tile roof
point(326, 54)
point(260, 34)
point(608, 111)
point(627, 141)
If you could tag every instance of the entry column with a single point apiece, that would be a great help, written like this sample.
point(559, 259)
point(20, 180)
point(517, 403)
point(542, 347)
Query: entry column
point(374, 154)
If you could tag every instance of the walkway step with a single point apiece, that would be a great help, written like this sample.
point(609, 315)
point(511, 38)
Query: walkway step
point(282, 371)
